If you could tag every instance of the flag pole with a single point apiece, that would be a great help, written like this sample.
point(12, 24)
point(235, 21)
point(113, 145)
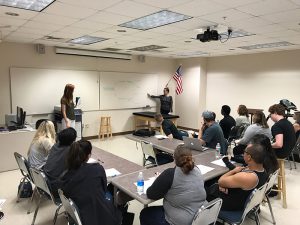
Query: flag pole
point(172, 77)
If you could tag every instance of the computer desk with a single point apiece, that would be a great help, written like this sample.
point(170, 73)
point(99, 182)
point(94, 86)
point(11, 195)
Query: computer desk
point(126, 183)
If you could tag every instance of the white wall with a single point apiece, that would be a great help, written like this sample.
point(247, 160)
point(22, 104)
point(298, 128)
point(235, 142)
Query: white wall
point(257, 81)
point(191, 103)
point(24, 55)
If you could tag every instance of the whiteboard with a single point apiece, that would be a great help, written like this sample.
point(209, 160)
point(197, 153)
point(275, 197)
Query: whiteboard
point(126, 90)
point(37, 91)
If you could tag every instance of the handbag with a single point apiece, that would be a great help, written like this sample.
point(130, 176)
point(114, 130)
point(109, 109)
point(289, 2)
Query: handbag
point(26, 191)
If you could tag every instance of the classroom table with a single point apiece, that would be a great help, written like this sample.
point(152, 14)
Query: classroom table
point(126, 183)
point(109, 160)
point(167, 145)
point(148, 117)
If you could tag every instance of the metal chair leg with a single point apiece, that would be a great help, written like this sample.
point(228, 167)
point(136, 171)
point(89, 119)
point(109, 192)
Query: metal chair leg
point(257, 218)
point(294, 160)
point(36, 211)
point(271, 210)
point(56, 213)
point(30, 202)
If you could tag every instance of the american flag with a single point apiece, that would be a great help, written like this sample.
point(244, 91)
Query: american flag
point(178, 78)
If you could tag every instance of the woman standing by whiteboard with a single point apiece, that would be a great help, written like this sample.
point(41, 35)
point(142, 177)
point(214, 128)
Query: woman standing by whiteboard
point(67, 107)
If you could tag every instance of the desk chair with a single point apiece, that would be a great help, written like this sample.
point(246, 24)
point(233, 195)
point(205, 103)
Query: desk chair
point(70, 208)
point(296, 150)
point(270, 185)
point(208, 213)
point(236, 133)
point(24, 168)
point(151, 159)
point(43, 189)
point(251, 205)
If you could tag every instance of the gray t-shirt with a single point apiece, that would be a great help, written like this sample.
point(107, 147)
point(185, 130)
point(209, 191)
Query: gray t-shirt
point(213, 135)
point(252, 130)
point(242, 120)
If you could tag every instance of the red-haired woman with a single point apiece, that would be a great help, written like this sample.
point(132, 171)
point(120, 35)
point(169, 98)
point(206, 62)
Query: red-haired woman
point(67, 107)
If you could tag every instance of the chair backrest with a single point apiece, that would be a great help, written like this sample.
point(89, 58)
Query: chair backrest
point(148, 150)
point(254, 199)
point(272, 180)
point(70, 207)
point(23, 165)
point(296, 148)
point(40, 181)
point(208, 213)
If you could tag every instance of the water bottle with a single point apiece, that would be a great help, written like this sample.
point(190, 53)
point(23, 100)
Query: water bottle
point(140, 183)
point(218, 150)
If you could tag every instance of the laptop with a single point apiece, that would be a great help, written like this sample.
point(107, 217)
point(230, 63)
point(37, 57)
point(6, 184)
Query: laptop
point(193, 143)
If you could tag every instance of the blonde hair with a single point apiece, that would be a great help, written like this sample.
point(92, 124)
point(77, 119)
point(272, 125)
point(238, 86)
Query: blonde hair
point(45, 130)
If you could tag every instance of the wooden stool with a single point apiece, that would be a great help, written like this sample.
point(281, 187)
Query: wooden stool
point(281, 183)
point(105, 127)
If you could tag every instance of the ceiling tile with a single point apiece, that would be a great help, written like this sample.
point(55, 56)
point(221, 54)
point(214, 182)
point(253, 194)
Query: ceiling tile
point(163, 4)
point(91, 25)
point(109, 18)
point(38, 25)
point(23, 14)
point(252, 22)
point(68, 10)
point(235, 3)
point(267, 7)
point(93, 4)
point(290, 15)
point(132, 9)
point(33, 31)
point(53, 19)
point(11, 21)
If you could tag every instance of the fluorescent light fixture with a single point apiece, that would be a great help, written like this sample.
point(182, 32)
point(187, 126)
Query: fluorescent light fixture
point(267, 45)
point(154, 20)
point(237, 34)
point(91, 53)
point(87, 40)
point(33, 5)
point(191, 54)
point(147, 48)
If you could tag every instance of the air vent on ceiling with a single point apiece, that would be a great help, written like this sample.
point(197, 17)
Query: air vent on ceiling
point(148, 48)
point(52, 38)
point(111, 49)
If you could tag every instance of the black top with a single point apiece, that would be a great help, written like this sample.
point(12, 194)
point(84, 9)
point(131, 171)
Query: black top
point(87, 187)
point(69, 108)
point(237, 197)
point(226, 124)
point(169, 128)
point(284, 127)
point(55, 164)
point(166, 103)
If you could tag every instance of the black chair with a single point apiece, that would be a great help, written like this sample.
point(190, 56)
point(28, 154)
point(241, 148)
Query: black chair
point(236, 133)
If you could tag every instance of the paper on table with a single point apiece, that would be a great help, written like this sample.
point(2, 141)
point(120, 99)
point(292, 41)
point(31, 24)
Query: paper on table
point(159, 136)
point(147, 183)
point(112, 172)
point(219, 162)
point(204, 169)
point(91, 160)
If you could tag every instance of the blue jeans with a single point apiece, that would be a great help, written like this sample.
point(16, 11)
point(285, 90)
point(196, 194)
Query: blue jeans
point(154, 215)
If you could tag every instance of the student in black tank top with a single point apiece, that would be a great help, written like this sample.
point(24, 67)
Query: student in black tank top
point(235, 186)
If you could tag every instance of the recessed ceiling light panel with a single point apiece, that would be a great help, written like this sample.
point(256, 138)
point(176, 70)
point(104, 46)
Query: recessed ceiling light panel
point(33, 5)
point(267, 45)
point(154, 20)
point(237, 34)
point(148, 48)
point(87, 40)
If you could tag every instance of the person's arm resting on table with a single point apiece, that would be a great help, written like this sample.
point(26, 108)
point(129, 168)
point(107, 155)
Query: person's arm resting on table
point(161, 185)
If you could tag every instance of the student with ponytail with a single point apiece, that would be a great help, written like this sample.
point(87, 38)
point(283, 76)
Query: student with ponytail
point(182, 188)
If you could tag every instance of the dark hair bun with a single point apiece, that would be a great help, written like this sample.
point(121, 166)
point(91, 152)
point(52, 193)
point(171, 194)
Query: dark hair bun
point(187, 164)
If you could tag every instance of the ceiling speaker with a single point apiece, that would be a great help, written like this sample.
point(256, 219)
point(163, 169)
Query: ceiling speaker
point(40, 49)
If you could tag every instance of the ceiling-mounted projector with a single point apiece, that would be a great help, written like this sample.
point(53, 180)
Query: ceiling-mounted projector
point(209, 35)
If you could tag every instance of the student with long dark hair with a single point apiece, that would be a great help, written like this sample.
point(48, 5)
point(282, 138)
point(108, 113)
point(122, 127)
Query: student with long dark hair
point(67, 107)
point(183, 191)
point(86, 184)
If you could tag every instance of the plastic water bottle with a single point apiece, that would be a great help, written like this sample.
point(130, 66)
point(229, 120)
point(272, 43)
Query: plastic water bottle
point(218, 150)
point(140, 183)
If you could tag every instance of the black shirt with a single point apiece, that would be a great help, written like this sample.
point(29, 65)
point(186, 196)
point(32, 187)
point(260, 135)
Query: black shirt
point(284, 127)
point(166, 103)
point(226, 124)
point(169, 128)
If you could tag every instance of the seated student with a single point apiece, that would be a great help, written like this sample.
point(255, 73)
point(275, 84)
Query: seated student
point(183, 191)
point(282, 131)
point(86, 184)
point(259, 126)
point(41, 144)
point(227, 122)
point(243, 117)
point(235, 186)
point(55, 164)
point(211, 133)
point(168, 127)
point(296, 125)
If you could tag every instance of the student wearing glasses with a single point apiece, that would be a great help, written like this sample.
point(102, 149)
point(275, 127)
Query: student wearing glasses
point(235, 186)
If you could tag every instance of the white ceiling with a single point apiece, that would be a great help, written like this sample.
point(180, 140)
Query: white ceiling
point(270, 20)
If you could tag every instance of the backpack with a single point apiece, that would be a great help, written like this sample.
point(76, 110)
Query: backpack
point(144, 133)
point(27, 189)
